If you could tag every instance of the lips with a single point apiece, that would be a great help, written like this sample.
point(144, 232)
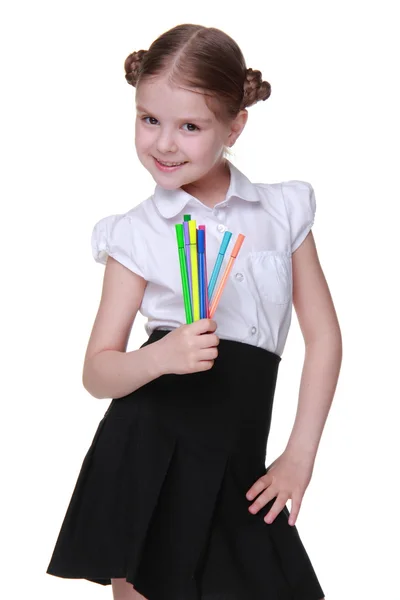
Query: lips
point(168, 167)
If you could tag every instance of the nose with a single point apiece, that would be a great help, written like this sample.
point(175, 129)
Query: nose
point(166, 142)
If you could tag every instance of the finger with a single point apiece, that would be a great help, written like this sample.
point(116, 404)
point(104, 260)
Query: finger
point(207, 325)
point(258, 487)
point(262, 500)
point(214, 339)
point(208, 354)
point(294, 510)
point(208, 340)
point(198, 327)
point(203, 326)
point(205, 365)
point(276, 508)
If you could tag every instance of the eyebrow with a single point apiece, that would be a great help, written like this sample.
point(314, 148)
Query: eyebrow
point(186, 119)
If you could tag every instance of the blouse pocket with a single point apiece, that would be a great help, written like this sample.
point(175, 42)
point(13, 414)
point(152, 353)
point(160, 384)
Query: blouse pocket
point(272, 273)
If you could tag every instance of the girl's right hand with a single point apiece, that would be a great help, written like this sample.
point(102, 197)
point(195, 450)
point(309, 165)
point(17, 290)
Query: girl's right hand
point(189, 348)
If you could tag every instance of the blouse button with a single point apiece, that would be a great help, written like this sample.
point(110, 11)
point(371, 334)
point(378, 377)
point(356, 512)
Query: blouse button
point(239, 276)
point(253, 330)
point(221, 227)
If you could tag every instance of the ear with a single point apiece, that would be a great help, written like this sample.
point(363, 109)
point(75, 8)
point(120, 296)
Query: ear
point(236, 127)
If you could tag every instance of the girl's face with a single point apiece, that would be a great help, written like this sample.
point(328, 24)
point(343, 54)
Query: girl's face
point(174, 125)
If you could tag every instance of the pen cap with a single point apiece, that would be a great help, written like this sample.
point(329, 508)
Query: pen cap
point(187, 217)
point(179, 235)
point(192, 231)
point(225, 241)
point(200, 241)
point(186, 232)
point(238, 245)
point(203, 228)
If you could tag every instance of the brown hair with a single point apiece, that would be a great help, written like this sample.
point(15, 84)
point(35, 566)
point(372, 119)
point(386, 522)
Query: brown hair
point(200, 57)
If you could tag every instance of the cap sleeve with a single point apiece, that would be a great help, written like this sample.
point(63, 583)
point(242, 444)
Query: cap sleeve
point(300, 205)
point(116, 236)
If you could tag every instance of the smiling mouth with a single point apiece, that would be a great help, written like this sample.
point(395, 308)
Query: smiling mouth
point(171, 164)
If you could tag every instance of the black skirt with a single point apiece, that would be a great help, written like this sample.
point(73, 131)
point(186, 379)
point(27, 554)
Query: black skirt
point(161, 495)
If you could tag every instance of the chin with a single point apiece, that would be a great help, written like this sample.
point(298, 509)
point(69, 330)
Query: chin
point(168, 185)
point(165, 182)
point(169, 181)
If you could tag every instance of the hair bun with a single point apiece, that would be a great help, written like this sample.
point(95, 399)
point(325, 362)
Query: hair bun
point(132, 66)
point(255, 88)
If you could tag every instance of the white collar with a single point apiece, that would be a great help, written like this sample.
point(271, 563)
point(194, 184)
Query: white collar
point(171, 202)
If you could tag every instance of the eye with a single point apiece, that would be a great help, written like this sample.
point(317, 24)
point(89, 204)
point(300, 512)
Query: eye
point(151, 118)
point(192, 125)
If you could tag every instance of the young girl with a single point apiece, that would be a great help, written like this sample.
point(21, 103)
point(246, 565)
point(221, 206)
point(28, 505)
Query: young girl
point(173, 500)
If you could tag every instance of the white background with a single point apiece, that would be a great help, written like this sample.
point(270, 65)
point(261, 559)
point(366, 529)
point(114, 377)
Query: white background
point(68, 159)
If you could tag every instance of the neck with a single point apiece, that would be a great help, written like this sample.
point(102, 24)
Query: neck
point(212, 188)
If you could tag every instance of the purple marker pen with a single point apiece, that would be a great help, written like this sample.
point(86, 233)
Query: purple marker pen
point(187, 252)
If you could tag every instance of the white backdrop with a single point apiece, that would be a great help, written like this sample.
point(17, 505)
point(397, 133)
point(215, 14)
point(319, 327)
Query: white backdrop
point(68, 159)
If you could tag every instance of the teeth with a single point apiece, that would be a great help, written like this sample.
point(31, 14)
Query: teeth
point(170, 164)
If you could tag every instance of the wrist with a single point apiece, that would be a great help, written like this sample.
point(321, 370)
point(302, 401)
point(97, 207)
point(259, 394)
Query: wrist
point(157, 361)
point(301, 452)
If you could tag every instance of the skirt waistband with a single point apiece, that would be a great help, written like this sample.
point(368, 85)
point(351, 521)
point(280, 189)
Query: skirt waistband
point(233, 345)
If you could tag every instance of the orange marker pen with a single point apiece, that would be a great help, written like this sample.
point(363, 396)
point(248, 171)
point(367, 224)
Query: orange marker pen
point(224, 277)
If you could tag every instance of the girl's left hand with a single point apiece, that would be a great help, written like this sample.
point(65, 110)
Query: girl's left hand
point(287, 477)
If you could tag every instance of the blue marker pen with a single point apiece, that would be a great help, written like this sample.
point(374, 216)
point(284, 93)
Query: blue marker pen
point(218, 263)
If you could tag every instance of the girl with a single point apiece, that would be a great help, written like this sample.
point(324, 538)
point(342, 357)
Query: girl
point(173, 500)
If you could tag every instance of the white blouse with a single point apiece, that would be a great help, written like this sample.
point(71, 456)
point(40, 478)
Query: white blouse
point(256, 304)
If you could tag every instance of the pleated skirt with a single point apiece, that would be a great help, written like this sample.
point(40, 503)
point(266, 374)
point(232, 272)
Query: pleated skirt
point(160, 499)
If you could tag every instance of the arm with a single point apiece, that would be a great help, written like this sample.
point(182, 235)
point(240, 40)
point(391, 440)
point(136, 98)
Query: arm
point(109, 371)
point(323, 351)
point(289, 475)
